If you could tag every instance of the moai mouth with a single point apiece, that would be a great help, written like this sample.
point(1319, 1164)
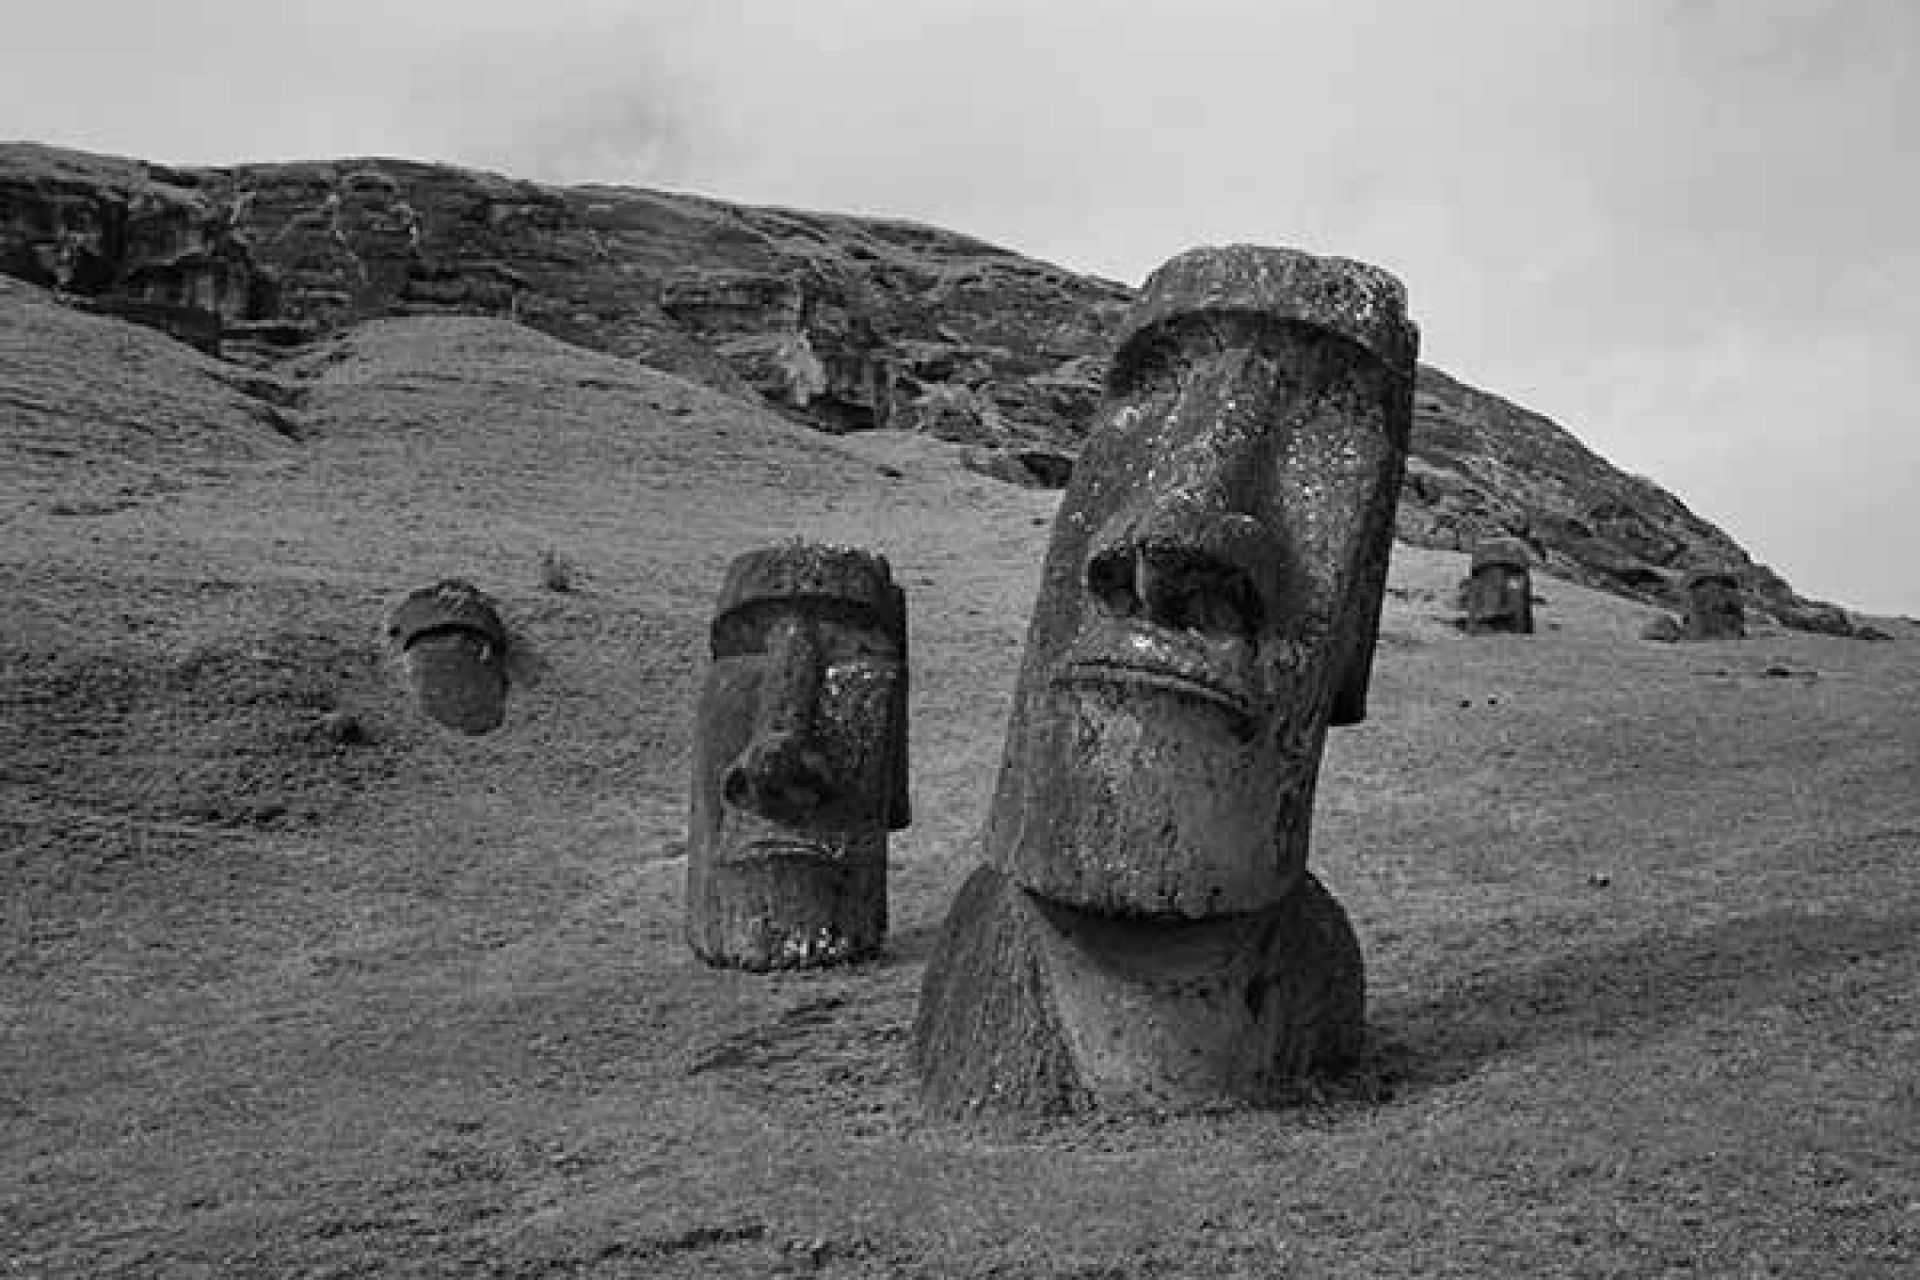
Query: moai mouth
point(799, 760)
point(1207, 609)
point(455, 649)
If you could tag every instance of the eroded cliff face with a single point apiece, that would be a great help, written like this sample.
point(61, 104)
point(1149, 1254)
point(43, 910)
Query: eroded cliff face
point(844, 323)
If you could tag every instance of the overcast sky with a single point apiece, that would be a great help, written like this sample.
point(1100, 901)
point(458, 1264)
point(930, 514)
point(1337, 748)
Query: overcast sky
point(1687, 230)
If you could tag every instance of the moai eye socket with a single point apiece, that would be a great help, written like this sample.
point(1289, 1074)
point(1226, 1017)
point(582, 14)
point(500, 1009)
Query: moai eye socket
point(740, 632)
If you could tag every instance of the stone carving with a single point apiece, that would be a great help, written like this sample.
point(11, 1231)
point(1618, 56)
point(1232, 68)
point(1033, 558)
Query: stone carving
point(1146, 931)
point(799, 760)
point(1713, 606)
point(455, 648)
point(1498, 592)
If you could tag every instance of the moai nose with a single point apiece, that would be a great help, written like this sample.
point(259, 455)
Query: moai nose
point(779, 776)
point(1186, 571)
point(782, 774)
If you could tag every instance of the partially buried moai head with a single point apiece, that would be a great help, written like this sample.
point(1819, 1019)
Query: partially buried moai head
point(1499, 587)
point(800, 759)
point(1714, 609)
point(455, 649)
point(1213, 588)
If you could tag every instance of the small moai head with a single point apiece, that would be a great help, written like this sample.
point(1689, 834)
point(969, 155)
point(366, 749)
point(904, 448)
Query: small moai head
point(1212, 590)
point(455, 649)
point(800, 759)
point(1714, 610)
point(1499, 587)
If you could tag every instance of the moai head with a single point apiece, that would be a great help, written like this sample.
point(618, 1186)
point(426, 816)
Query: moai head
point(1213, 587)
point(800, 759)
point(1714, 610)
point(455, 648)
point(1499, 588)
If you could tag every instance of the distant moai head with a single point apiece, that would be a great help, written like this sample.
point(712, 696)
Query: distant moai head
point(800, 759)
point(1213, 587)
point(1714, 610)
point(455, 648)
point(1499, 587)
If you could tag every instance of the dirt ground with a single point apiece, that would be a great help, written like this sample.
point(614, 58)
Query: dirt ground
point(295, 983)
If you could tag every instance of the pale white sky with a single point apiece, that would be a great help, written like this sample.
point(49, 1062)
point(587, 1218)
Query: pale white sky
point(1688, 230)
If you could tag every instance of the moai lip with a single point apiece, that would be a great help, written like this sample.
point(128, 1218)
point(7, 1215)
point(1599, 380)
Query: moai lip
point(799, 760)
point(1208, 607)
point(455, 649)
point(1498, 593)
point(1714, 609)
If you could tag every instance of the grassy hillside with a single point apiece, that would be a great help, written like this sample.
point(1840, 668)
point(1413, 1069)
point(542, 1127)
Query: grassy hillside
point(1642, 922)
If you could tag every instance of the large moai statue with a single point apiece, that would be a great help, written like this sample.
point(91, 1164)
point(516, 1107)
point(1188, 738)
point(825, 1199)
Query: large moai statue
point(455, 649)
point(1498, 592)
point(1713, 606)
point(1145, 932)
point(799, 760)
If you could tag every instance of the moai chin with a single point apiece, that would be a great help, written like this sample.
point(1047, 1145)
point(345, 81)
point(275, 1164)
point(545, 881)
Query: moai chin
point(455, 648)
point(1498, 592)
point(799, 760)
point(1713, 606)
point(1145, 931)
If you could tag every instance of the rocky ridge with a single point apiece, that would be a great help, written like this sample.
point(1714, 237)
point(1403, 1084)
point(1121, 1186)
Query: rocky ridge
point(841, 322)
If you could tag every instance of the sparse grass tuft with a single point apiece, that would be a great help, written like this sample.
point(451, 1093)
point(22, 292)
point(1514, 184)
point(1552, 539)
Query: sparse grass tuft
point(556, 571)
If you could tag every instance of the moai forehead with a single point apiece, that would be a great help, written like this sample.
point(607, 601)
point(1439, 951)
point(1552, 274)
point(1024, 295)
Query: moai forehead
point(451, 604)
point(834, 579)
point(1359, 302)
point(1505, 553)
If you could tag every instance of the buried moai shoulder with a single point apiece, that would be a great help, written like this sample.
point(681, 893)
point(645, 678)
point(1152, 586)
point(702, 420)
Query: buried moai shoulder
point(799, 760)
point(1146, 931)
point(454, 645)
point(1498, 592)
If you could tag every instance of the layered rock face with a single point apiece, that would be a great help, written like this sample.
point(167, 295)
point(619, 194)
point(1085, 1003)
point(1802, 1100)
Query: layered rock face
point(843, 323)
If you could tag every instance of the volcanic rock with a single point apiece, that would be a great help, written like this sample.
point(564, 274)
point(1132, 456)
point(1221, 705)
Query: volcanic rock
point(840, 322)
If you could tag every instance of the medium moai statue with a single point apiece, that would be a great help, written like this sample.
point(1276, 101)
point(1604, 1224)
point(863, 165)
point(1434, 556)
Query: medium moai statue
point(455, 648)
point(799, 760)
point(1498, 592)
point(1713, 606)
point(1145, 931)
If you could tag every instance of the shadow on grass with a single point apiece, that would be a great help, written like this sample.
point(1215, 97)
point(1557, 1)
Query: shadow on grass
point(1629, 991)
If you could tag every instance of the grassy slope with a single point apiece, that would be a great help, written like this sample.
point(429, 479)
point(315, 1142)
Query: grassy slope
point(275, 1004)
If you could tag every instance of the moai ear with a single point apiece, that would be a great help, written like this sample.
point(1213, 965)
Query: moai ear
point(899, 805)
point(1350, 693)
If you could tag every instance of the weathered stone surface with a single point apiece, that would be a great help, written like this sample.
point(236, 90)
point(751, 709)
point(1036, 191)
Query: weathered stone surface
point(1713, 606)
point(1023, 998)
point(455, 649)
point(1498, 592)
point(799, 761)
point(843, 323)
point(1208, 607)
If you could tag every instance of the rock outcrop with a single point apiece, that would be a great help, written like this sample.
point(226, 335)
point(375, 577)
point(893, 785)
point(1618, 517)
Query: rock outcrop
point(843, 323)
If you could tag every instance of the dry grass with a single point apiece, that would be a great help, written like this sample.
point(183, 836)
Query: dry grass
point(275, 1003)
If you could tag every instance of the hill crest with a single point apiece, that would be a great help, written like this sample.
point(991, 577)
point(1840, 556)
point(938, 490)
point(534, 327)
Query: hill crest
point(840, 322)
